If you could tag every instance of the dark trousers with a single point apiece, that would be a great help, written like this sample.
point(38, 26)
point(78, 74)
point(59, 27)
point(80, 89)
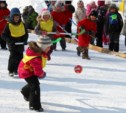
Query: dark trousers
point(62, 43)
point(50, 52)
point(2, 43)
point(14, 60)
point(32, 92)
point(125, 40)
point(114, 42)
point(99, 39)
point(68, 28)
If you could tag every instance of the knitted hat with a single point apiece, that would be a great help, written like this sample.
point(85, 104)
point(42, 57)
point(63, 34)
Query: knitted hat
point(59, 4)
point(45, 12)
point(43, 42)
point(113, 6)
point(94, 13)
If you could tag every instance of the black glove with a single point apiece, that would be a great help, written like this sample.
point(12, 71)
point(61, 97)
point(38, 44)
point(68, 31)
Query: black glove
point(90, 32)
point(12, 44)
point(25, 43)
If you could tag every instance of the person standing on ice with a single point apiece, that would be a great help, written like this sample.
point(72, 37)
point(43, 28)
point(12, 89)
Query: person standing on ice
point(68, 26)
point(123, 32)
point(29, 17)
point(89, 25)
point(31, 69)
point(61, 15)
point(4, 13)
point(45, 25)
point(101, 10)
point(114, 24)
point(80, 13)
point(15, 34)
point(90, 7)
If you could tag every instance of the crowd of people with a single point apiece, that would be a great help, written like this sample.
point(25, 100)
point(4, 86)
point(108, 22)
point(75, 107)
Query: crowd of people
point(99, 21)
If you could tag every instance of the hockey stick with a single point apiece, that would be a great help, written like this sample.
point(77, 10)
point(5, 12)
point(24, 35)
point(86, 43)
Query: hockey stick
point(53, 42)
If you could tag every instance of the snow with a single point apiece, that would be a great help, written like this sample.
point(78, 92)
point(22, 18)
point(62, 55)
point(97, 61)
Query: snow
point(100, 88)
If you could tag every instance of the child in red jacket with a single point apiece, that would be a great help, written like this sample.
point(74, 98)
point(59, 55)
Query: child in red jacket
point(89, 24)
point(4, 13)
point(62, 15)
point(31, 68)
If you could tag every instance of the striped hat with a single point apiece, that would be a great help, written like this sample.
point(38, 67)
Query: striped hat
point(43, 42)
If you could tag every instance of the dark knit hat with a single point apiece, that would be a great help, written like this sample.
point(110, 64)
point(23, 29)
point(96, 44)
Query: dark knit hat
point(94, 13)
point(43, 42)
point(113, 6)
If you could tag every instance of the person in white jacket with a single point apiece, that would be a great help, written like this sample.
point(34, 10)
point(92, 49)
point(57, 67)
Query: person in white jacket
point(80, 13)
point(123, 32)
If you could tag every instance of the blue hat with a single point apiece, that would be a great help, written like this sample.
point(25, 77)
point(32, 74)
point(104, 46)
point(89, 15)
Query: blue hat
point(14, 11)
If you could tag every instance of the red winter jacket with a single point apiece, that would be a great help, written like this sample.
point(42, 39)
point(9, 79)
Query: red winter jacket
point(61, 18)
point(35, 64)
point(88, 25)
point(3, 14)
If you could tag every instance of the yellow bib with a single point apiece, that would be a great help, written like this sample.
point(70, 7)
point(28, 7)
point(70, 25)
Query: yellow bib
point(28, 58)
point(47, 25)
point(17, 30)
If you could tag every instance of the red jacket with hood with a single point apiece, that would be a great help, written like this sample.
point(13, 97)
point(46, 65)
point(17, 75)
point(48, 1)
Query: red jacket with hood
point(35, 64)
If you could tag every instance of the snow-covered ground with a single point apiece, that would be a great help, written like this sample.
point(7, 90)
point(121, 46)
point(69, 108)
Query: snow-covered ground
point(100, 88)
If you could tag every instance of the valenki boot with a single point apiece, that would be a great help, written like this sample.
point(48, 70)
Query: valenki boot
point(85, 54)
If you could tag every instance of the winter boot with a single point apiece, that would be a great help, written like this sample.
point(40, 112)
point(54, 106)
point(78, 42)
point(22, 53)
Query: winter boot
point(111, 46)
point(11, 74)
point(25, 98)
point(116, 47)
point(78, 51)
point(85, 54)
point(38, 110)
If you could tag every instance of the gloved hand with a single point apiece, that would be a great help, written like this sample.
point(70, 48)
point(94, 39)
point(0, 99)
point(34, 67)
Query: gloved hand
point(25, 43)
point(12, 44)
point(43, 76)
point(90, 32)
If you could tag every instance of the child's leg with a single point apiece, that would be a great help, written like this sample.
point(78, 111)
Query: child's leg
point(63, 44)
point(125, 40)
point(111, 43)
point(50, 52)
point(25, 91)
point(79, 50)
point(85, 53)
point(34, 95)
point(116, 42)
point(14, 60)
point(11, 62)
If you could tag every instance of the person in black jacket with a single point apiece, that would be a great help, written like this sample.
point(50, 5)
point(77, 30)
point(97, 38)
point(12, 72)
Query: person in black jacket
point(114, 24)
point(69, 24)
point(16, 35)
